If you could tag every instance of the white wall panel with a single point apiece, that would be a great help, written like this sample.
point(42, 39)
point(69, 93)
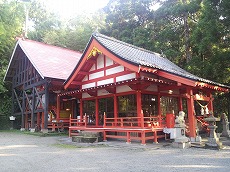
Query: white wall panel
point(125, 77)
point(96, 75)
point(100, 62)
point(109, 61)
point(93, 84)
point(115, 70)
point(106, 81)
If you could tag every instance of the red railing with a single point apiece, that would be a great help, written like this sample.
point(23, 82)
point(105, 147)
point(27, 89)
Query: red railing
point(78, 122)
point(138, 122)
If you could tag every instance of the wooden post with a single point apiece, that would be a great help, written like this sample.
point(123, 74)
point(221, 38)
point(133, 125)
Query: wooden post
point(104, 123)
point(128, 137)
point(159, 104)
point(32, 109)
point(38, 121)
point(142, 119)
point(143, 137)
point(58, 106)
point(191, 115)
point(115, 109)
point(46, 109)
point(96, 111)
point(81, 109)
point(180, 105)
point(23, 111)
point(139, 108)
point(210, 105)
point(86, 119)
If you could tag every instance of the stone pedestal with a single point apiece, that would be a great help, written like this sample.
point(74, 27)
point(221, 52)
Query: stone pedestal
point(22, 129)
point(44, 130)
point(225, 123)
point(181, 141)
point(213, 140)
point(32, 130)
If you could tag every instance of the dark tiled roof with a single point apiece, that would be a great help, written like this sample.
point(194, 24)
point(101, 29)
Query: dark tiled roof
point(140, 56)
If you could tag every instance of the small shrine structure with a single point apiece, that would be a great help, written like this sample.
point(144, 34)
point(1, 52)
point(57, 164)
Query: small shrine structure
point(126, 92)
point(36, 72)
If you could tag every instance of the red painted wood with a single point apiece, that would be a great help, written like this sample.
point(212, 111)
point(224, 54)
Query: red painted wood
point(191, 115)
point(115, 103)
point(81, 109)
point(97, 111)
point(84, 59)
point(106, 77)
point(176, 78)
point(58, 107)
point(180, 105)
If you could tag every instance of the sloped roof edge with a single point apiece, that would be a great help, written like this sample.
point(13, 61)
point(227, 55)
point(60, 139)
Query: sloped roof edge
point(11, 58)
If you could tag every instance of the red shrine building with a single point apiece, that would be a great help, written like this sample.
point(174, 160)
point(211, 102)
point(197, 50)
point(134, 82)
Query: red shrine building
point(114, 88)
point(126, 92)
point(37, 72)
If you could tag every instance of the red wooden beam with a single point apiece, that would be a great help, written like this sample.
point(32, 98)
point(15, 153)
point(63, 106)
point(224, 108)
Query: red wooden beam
point(176, 78)
point(84, 60)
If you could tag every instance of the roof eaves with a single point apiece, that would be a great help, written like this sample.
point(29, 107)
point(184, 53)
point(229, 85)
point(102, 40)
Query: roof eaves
point(112, 52)
point(11, 59)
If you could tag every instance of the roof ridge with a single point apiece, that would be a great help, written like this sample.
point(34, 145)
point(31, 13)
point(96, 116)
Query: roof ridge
point(95, 34)
point(50, 45)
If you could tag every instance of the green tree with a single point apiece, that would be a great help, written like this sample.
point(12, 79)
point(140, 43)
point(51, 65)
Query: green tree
point(130, 21)
point(75, 33)
point(43, 21)
point(11, 25)
point(174, 23)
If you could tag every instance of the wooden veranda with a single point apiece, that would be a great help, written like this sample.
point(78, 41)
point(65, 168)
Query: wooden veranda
point(128, 128)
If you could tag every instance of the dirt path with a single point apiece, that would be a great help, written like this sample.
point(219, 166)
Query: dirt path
point(22, 153)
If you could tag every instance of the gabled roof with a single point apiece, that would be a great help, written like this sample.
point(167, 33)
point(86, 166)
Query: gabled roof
point(49, 61)
point(137, 57)
point(140, 56)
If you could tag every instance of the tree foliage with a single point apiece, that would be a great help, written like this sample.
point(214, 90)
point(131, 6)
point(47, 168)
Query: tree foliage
point(192, 33)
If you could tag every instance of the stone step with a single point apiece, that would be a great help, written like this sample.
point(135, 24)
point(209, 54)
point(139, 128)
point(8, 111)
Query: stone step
point(82, 139)
point(89, 134)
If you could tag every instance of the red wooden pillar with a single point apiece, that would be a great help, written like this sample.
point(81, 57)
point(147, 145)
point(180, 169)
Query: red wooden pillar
point(180, 105)
point(96, 111)
point(58, 106)
point(81, 109)
point(159, 104)
point(43, 123)
point(115, 108)
point(210, 105)
point(139, 108)
point(38, 120)
point(191, 115)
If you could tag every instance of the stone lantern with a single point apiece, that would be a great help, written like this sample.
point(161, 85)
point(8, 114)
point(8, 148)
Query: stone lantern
point(213, 140)
point(225, 123)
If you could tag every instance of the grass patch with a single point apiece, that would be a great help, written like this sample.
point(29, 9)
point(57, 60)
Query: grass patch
point(66, 146)
point(36, 133)
point(44, 134)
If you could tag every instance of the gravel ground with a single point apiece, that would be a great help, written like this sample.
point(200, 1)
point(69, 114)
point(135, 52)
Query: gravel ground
point(21, 153)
